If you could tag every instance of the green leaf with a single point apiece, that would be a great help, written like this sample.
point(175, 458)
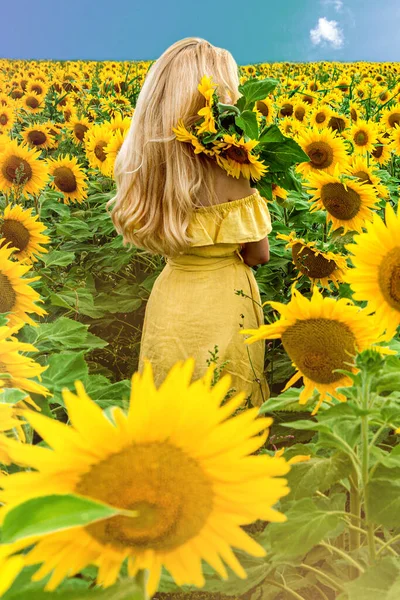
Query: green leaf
point(12, 395)
point(271, 134)
point(63, 370)
point(126, 589)
point(383, 497)
point(257, 89)
point(62, 333)
point(317, 474)
point(280, 156)
point(248, 122)
point(47, 514)
point(305, 527)
point(57, 257)
point(381, 580)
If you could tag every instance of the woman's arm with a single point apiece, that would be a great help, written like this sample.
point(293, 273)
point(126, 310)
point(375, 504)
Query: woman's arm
point(256, 253)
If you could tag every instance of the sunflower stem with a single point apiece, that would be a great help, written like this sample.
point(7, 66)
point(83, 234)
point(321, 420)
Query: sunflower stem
point(365, 393)
point(355, 509)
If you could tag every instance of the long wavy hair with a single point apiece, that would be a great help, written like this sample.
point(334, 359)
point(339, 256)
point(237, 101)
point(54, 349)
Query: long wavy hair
point(158, 178)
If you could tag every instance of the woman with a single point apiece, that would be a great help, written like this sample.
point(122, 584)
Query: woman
point(210, 226)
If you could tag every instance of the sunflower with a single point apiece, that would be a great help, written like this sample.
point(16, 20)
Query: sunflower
point(17, 296)
point(300, 110)
point(37, 136)
point(19, 369)
point(290, 127)
point(390, 117)
point(320, 335)
point(266, 108)
point(113, 147)
point(78, 127)
point(237, 159)
point(382, 151)
point(279, 194)
point(7, 118)
point(354, 115)
point(348, 203)
point(24, 232)
point(206, 88)
point(96, 139)
point(358, 167)
point(120, 123)
point(194, 480)
point(68, 178)
point(286, 106)
point(376, 273)
point(319, 116)
point(37, 86)
point(338, 122)
point(324, 148)
point(320, 267)
point(363, 135)
point(32, 102)
point(20, 166)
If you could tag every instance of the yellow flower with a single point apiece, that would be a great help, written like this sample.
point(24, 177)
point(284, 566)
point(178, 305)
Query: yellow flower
point(348, 203)
point(178, 458)
point(324, 149)
point(376, 273)
point(363, 134)
point(69, 178)
point(16, 295)
point(320, 267)
point(22, 167)
point(320, 335)
point(24, 232)
point(295, 459)
point(237, 159)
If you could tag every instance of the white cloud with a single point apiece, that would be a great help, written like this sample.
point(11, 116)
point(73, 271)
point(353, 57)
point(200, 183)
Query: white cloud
point(327, 32)
point(337, 4)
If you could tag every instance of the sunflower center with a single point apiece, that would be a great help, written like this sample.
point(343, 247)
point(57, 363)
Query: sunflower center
point(389, 277)
point(320, 117)
point(394, 119)
point(318, 347)
point(353, 114)
point(36, 137)
point(363, 176)
point(32, 102)
point(311, 264)
point(3, 119)
point(341, 204)
point(7, 294)
point(337, 124)
point(263, 108)
point(16, 170)
point(99, 152)
point(237, 154)
point(80, 129)
point(321, 155)
point(65, 180)
point(299, 113)
point(169, 489)
point(287, 110)
point(16, 233)
point(377, 152)
point(361, 138)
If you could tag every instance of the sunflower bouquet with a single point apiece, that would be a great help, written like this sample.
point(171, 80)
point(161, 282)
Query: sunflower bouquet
point(240, 138)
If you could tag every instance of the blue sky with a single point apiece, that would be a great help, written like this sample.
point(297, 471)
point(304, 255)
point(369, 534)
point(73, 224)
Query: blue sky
point(258, 31)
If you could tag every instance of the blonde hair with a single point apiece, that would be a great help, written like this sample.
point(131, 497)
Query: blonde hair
point(158, 178)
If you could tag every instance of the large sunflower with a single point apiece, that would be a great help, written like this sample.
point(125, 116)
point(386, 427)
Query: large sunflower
point(21, 167)
point(68, 178)
point(16, 295)
point(319, 116)
point(390, 117)
point(178, 458)
point(320, 335)
point(376, 273)
point(78, 128)
point(95, 141)
point(24, 232)
point(18, 370)
point(348, 203)
point(237, 159)
point(320, 267)
point(324, 148)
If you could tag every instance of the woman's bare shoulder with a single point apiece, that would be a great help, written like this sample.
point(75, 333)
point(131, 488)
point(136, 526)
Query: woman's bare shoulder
point(229, 188)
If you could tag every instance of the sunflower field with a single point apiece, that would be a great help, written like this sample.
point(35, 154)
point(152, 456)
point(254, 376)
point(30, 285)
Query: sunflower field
point(111, 488)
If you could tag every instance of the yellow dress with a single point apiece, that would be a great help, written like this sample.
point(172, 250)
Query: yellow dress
point(193, 305)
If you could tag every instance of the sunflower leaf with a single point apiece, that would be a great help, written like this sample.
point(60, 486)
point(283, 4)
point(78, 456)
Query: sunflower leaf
point(47, 514)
